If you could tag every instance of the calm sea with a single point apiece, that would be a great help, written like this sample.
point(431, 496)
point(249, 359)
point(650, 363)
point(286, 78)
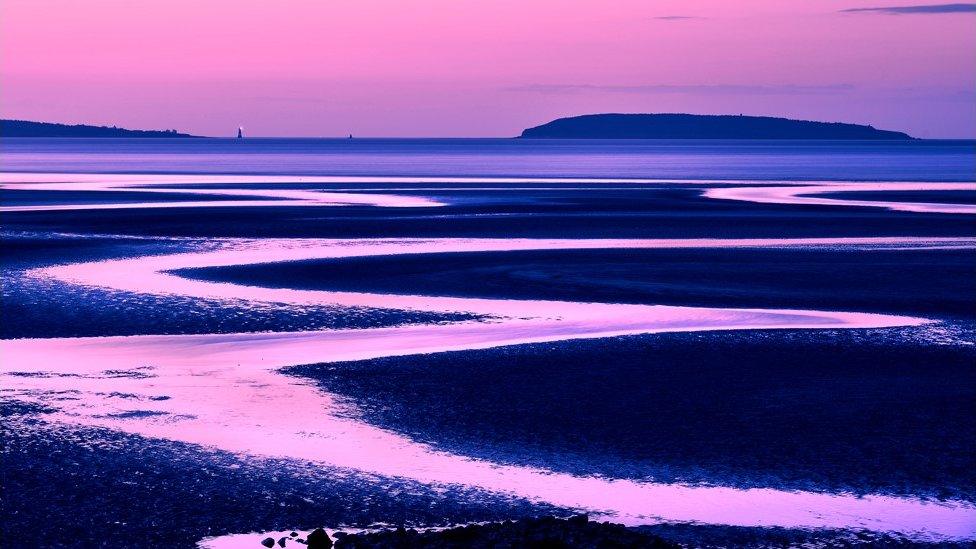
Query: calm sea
point(673, 159)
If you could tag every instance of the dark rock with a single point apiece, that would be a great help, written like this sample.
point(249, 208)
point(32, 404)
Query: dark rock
point(578, 520)
point(281, 542)
point(538, 533)
point(319, 540)
point(267, 542)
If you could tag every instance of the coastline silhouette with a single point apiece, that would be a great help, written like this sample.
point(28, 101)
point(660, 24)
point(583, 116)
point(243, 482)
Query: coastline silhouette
point(26, 128)
point(698, 126)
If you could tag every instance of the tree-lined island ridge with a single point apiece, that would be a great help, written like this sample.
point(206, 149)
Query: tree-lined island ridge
point(27, 128)
point(589, 126)
point(700, 126)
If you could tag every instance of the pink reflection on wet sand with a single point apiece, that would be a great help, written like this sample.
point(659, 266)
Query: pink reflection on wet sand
point(157, 184)
point(224, 391)
point(805, 194)
point(764, 192)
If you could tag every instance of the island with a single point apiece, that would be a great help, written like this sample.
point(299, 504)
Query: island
point(25, 128)
point(699, 126)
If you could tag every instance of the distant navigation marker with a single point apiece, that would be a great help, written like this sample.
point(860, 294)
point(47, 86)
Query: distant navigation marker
point(240, 132)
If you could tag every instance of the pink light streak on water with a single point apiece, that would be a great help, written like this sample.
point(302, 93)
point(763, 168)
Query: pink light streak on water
point(150, 275)
point(225, 392)
point(152, 184)
point(763, 192)
point(805, 195)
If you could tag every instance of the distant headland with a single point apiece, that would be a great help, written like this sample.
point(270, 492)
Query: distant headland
point(698, 126)
point(25, 128)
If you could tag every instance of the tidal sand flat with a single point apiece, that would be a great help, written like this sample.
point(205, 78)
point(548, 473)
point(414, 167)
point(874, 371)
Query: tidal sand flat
point(441, 342)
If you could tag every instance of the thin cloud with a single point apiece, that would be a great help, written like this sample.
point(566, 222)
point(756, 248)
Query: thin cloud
point(677, 17)
point(705, 89)
point(916, 10)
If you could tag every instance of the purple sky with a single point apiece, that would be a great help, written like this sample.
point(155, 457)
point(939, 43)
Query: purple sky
point(491, 68)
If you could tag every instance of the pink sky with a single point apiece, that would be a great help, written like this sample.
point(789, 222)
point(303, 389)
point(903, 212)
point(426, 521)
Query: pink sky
point(464, 68)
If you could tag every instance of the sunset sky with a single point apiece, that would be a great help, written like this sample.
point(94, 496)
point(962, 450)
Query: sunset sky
point(490, 68)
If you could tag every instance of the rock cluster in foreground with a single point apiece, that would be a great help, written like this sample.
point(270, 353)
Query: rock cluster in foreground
point(548, 532)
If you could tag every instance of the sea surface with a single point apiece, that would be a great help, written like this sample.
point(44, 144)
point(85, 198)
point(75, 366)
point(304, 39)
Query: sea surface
point(205, 341)
point(929, 160)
